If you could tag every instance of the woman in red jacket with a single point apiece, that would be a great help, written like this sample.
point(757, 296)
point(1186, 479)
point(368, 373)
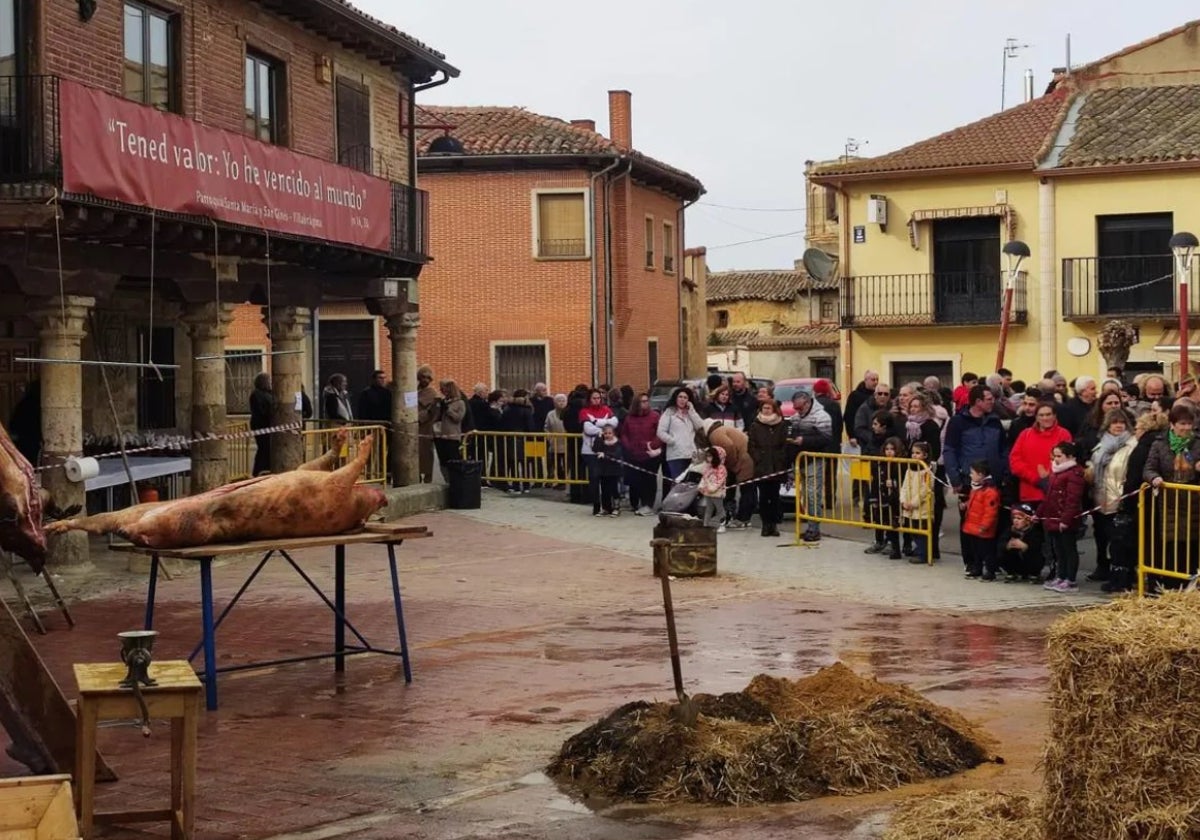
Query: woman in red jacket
point(1029, 460)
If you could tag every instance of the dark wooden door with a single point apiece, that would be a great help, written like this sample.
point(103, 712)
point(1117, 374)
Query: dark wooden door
point(347, 347)
point(966, 270)
point(1134, 250)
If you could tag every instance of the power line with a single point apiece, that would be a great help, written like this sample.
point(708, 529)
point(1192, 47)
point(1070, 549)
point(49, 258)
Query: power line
point(754, 209)
point(717, 218)
point(760, 239)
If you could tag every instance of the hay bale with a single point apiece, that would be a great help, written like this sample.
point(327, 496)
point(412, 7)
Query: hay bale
point(777, 741)
point(1123, 758)
point(968, 815)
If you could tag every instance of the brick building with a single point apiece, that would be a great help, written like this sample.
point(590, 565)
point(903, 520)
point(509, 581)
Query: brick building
point(162, 163)
point(544, 232)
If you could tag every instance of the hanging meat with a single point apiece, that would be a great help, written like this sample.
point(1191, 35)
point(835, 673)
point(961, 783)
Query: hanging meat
point(20, 506)
point(309, 502)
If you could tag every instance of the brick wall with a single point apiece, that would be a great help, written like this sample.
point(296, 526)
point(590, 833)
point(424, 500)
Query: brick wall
point(213, 38)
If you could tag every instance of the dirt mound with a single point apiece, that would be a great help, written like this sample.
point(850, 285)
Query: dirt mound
point(776, 741)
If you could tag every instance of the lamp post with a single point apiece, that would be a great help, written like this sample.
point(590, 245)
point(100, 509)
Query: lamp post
point(1183, 246)
point(1015, 252)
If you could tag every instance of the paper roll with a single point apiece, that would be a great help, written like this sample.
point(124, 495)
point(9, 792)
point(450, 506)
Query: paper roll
point(81, 469)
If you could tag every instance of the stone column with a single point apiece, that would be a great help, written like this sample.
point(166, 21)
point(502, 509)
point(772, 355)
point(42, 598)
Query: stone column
point(62, 411)
point(288, 324)
point(402, 334)
point(208, 327)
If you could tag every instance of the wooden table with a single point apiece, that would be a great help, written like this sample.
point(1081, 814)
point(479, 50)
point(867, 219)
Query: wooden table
point(388, 535)
point(176, 698)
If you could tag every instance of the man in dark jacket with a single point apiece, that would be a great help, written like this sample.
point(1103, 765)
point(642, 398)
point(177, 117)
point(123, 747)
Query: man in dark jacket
point(975, 434)
point(858, 396)
point(1075, 410)
point(542, 404)
point(262, 410)
point(743, 399)
point(881, 400)
point(375, 401)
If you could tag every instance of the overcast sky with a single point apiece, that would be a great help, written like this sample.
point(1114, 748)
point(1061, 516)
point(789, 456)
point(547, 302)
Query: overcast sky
point(740, 94)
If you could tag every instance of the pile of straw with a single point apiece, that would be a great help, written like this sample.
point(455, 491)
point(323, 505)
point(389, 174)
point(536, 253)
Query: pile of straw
point(1123, 758)
point(969, 815)
point(777, 741)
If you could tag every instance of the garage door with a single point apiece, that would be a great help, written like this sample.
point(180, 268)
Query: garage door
point(347, 347)
point(917, 371)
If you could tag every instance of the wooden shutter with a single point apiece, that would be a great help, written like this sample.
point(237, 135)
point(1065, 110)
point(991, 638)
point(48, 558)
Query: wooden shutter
point(353, 125)
point(562, 228)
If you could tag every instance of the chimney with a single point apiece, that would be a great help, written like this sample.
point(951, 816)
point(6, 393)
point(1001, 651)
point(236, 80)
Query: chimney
point(1028, 85)
point(620, 125)
point(590, 125)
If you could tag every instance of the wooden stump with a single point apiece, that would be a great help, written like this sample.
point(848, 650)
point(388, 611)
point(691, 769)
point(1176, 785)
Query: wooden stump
point(693, 549)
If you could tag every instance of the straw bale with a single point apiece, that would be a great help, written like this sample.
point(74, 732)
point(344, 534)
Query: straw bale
point(1123, 756)
point(967, 815)
point(777, 741)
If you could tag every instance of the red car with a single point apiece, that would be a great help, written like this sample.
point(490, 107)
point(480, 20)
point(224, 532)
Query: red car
point(785, 388)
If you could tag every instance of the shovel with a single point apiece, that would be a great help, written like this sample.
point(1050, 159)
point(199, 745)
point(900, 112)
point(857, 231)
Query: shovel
point(685, 711)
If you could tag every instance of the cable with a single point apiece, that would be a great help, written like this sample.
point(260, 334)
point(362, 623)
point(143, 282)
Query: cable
point(760, 239)
point(717, 218)
point(754, 209)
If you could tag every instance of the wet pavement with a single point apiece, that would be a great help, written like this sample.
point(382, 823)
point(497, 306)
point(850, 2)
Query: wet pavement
point(520, 639)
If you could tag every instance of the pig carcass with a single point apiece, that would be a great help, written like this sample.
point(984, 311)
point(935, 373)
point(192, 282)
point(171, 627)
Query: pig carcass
point(309, 502)
point(20, 506)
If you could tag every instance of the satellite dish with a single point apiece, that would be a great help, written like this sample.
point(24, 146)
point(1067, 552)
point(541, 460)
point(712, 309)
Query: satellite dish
point(819, 265)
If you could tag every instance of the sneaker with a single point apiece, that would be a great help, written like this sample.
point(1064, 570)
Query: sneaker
point(613, 513)
point(917, 561)
point(988, 576)
point(1051, 585)
point(971, 575)
point(644, 510)
point(895, 555)
point(812, 536)
point(738, 525)
point(597, 513)
point(876, 548)
point(1099, 574)
point(720, 529)
point(1012, 578)
point(1066, 586)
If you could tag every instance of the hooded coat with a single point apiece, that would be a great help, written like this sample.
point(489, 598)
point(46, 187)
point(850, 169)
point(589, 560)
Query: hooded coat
point(712, 481)
point(737, 448)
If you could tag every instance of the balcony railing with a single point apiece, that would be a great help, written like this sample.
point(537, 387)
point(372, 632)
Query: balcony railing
point(961, 298)
point(562, 247)
point(668, 263)
point(31, 162)
point(1095, 288)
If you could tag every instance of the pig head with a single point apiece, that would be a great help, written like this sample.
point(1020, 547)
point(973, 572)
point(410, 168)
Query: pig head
point(20, 506)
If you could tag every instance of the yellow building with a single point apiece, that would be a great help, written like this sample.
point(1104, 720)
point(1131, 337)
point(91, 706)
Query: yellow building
point(1095, 176)
point(773, 324)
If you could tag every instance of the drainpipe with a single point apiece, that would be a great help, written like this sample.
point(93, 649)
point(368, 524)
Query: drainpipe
point(1047, 300)
point(609, 370)
point(847, 336)
point(595, 279)
point(413, 90)
point(680, 221)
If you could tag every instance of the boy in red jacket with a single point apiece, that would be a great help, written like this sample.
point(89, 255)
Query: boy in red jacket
point(1060, 513)
point(981, 519)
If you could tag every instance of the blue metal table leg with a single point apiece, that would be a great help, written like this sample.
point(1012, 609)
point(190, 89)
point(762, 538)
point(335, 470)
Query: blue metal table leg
point(339, 600)
point(399, 612)
point(151, 592)
point(210, 641)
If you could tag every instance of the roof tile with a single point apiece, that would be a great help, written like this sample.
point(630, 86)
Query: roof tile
point(1011, 137)
point(777, 286)
point(814, 335)
point(1136, 125)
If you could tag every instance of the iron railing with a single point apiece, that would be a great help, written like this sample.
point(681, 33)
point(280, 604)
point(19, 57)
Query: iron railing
point(961, 298)
point(31, 161)
point(1124, 287)
point(562, 247)
point(668, 263)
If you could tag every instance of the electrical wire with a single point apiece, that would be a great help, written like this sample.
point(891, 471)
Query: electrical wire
point(753, 209)
point(760, 239)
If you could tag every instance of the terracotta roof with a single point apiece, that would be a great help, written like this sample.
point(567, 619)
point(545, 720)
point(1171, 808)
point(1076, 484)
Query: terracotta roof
point(725, 338)
point(1086, 69)
point(1012, 138)
point(816, 335)
point(508, 131)
point(1136, 125)
point(377, 22)
point(778, 286)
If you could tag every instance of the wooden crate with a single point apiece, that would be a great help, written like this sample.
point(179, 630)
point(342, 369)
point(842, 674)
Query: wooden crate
point(37, 808)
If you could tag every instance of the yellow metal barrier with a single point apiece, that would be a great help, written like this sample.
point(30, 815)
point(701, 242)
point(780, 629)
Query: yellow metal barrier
point(1168, 532)
point(552, 458)
point(317, 441)
point(240, 451)
point(823, 494)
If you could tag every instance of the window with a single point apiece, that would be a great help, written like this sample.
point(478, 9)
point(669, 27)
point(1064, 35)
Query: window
point(831, 208)
point(241, 368)
point(966, 268)
point(1132, 250)
point(8, 38)
point(827, 310)
point(652, 359)
point(264, 98)
point(519, 365)
point(354, 125)
point(823, 368)
point(649, 242)
point(156, 398)
point(561, 226)
point(151, 72)
point(722, 318)
point(668, 247)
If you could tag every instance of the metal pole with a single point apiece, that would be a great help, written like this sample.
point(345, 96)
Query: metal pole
point(1005, 317)
point(1004, 76)
point(1183, 265)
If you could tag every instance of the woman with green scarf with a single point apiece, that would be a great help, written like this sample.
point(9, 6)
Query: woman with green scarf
point(1175, 459)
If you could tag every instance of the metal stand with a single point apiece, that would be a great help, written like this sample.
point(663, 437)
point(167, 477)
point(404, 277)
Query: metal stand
point(6, 564)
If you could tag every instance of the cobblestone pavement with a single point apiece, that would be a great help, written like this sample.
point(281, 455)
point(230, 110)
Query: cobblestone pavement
point(529, 619)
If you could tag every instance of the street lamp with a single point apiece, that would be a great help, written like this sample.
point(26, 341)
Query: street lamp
point(1015, 252)
point(1183, 245)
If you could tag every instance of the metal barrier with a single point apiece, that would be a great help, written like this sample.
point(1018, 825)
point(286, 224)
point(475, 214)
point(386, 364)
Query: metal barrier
point(527, 457)
point(1168, 533)
point(317, 441)
point(239, 451)
point(823, 493)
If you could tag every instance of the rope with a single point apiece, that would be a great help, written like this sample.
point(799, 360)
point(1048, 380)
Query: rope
point(679, 480)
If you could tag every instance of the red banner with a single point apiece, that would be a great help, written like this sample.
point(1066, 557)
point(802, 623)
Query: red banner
point(123, 151)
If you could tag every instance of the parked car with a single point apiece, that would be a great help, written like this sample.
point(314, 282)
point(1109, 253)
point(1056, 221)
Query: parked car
point(786, 388)
point(660, 392)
